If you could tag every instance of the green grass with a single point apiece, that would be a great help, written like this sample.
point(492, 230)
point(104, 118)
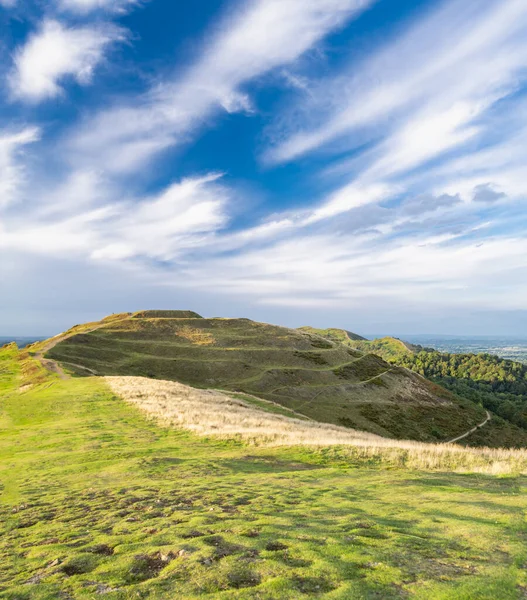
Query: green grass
point(322, 379)
point(95, 499)
point(337, 335)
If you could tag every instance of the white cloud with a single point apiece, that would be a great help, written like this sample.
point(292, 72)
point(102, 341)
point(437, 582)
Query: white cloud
point(341, 270)
point(180, 218)
point(263, 35)
point(75, 193)
point(392, 234)
point(463, 54)
point(499, 163)
point(57, 52)
point(11, 170)
point(349, 197)
point(427, 96)
point(159, 228)
point(423, 137)
point(85, 6)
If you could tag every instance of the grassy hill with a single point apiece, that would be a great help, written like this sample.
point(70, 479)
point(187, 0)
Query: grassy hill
point(98, 501)
point(497, 384)
point(320, 378)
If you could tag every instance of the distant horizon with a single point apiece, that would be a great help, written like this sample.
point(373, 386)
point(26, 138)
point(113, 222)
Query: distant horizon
point(446, 336)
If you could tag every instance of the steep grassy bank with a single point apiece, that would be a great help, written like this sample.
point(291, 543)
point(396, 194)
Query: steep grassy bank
point(496, 384)
point(321, 379)
point(96, 501)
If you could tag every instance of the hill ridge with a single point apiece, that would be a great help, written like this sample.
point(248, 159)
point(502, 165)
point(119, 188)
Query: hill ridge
point(322, 379)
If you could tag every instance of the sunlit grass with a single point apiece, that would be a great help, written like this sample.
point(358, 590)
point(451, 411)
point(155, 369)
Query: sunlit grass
point(96, 500)
point(213, 413)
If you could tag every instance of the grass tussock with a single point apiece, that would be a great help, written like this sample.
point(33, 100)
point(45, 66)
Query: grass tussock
point(212, 413)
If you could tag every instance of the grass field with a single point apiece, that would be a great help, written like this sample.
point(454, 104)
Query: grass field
point(98, 501)
point(321, 379)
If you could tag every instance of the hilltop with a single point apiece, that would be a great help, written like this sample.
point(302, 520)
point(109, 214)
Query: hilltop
point(337, 335)
point(386, 347)
point(497, 384)
point(315, 377)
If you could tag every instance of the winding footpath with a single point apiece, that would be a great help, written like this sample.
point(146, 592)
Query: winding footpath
point(460, 437)
point(49, 364)
point(53, 366)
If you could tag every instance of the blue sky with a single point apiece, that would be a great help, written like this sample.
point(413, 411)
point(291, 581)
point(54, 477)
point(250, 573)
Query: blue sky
point(353, 163)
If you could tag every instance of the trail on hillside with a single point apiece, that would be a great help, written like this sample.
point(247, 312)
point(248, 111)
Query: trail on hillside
point(375, 377)
point(281, 406)
point(51, 365)
point(460, 437)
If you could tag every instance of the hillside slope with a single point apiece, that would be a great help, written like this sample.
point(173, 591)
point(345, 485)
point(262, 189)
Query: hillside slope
point(316, 377)
point(497, 384)
point(98, 501)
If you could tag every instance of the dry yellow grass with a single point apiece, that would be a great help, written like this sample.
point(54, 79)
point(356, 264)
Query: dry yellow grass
point(212, 413)
point(196, 336)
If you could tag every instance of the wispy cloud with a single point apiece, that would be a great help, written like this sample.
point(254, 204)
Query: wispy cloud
point(419, 193)
point(79, 219)
point(446, 69)
point(162, 228)
point(425, 107)
point(57, 52)
point(264, 35)
point(86, 6)
point(12, 172)
point(342, 271)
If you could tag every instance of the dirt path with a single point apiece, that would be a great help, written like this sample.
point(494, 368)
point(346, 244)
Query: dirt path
point(294, 413)
point(51, 365)
point(375, 377)
point(324, 387)
point(460, 437)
